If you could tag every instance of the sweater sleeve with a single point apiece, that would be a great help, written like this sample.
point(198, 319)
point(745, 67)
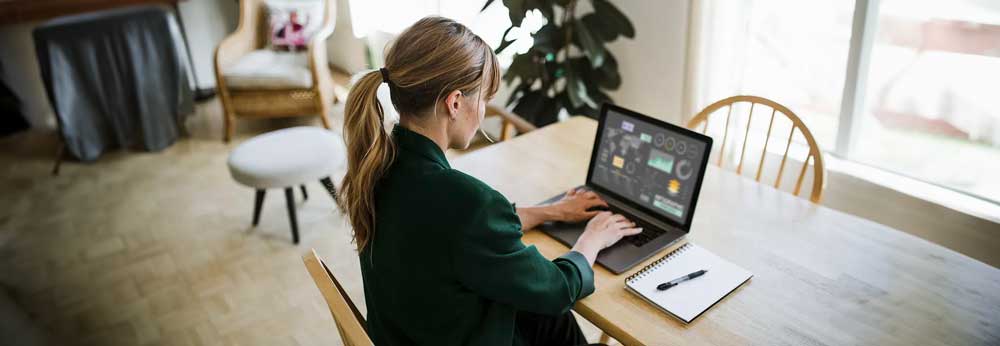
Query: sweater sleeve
point(490, 259)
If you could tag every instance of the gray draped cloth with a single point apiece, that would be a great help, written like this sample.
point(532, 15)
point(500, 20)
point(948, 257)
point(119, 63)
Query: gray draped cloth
point(116, 79)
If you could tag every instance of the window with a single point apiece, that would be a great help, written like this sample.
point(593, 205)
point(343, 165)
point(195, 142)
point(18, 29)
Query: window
point(932, 107)
point(907, 86)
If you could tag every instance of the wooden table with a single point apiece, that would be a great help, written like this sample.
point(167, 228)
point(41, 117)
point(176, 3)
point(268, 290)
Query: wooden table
point(821, 277)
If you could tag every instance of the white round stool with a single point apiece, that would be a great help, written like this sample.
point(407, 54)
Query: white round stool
point(284, 159)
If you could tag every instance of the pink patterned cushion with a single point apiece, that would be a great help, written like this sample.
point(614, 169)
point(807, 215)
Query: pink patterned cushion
point(293, 23)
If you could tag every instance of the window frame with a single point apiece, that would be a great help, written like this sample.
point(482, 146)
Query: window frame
point(863, 29)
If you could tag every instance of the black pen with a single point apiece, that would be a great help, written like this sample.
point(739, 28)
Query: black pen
point(664, 286)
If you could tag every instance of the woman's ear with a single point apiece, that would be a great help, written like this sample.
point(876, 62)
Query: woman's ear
point(453, 103)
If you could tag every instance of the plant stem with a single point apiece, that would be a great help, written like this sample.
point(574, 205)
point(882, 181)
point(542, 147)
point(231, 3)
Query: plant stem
point(567, 22)
point(568, 15)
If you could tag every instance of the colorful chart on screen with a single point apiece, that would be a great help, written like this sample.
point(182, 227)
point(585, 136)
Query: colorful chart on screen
point(648, 164)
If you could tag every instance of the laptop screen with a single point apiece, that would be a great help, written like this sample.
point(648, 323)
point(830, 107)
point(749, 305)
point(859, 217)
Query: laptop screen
point(656, 166)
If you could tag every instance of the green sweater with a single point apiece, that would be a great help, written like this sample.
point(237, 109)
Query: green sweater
point(447, 266)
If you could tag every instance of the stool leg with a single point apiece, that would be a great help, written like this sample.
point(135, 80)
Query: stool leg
point(290, 201)
point(330, 188)
point(258, 202)
point(305, 195)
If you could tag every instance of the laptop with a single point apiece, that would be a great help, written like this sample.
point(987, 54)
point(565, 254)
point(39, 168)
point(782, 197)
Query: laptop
point(647, 170)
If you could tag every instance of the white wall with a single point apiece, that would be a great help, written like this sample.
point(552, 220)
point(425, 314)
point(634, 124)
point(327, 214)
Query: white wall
point(343, 48)
point(206, 23)
point(22, 75)
point(652, 65)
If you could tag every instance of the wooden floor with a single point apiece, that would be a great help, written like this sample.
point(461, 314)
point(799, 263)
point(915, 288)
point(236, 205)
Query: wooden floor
point(156, 248)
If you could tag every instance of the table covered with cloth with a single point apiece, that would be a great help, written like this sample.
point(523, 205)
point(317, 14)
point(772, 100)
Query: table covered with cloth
point(116, 79)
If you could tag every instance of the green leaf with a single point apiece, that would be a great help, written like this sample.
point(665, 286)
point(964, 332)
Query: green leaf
point(591, 46)
point(523, 67)
point(577, 90)
point(538, 108)
point(488, 3)
point(545, 6)
point(599, 98)
point(518, 92)
point(551, 72)
point(607, 75)
point(612, 17)
point(504, 43)
point(595, 77)
point(604, 32)
point(549, 39)
point(517, 10)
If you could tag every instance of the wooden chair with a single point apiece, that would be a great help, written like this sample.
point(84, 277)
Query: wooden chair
point(250, 35)
point(510, 123)
point(350, 323)
point(815, 154)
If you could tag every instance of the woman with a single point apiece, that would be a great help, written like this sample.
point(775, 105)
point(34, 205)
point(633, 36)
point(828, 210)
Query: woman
point(441, 253)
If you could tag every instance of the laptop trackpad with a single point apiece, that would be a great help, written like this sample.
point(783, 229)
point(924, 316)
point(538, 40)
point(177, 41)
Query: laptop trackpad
point(566, 233)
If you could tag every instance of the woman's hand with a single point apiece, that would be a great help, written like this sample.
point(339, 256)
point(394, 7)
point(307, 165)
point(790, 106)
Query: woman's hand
point(602, 231)
point(573, 207)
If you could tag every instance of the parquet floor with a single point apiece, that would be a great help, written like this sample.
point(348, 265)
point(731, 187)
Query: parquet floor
point(157, 248)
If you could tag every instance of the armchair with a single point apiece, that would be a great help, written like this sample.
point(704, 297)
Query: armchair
point(293, 84)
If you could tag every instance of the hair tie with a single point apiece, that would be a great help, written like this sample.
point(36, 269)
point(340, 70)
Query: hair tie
point(385, 75)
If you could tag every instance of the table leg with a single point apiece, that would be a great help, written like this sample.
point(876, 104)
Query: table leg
point(305, 195)
point(199, 94)
point(59, 156)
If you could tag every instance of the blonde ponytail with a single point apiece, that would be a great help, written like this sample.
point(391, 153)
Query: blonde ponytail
point(429, 59)
point(370, 152)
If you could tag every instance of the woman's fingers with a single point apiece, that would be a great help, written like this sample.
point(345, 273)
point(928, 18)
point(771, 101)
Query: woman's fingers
point(621, 226)
point(602, 216)
point(590, 203)
point(611, 220)
point(590, 214)
point(625, 232)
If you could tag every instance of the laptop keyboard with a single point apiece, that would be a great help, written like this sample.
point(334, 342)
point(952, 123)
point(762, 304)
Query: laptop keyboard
point(648, 234)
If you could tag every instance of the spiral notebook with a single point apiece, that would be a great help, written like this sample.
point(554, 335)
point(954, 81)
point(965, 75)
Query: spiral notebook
point(691, 298)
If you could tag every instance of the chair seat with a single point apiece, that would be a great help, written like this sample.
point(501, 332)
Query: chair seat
point(287, 157)
point(268, 69)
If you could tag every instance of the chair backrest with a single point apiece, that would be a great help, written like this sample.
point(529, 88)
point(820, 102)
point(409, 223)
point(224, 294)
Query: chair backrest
point(815, 155)
point(350, 323)
point(510, 123)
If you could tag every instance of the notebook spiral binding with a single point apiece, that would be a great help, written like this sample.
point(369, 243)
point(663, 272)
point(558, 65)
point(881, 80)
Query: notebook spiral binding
point(652, 266)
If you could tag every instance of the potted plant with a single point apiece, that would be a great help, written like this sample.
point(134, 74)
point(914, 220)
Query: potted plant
point(568, 66)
